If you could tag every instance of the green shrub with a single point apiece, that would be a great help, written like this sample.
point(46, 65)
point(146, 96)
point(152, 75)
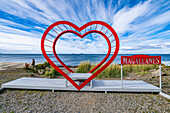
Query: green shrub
point(47, 74)
point(47, 64)
point(54, 73)
point(40, 66)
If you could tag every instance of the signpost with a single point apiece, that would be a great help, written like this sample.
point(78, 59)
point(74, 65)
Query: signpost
point(140, 60)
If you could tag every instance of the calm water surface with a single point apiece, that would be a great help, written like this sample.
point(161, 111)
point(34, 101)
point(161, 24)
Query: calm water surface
point(69, 59)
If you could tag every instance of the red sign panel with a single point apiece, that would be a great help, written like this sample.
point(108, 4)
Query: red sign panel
point(140, 59)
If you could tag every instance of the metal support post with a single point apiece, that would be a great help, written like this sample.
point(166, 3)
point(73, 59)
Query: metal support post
point(160, 77)
point(121, 76)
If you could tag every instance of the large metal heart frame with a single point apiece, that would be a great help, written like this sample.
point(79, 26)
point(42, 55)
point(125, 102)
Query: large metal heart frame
point(81, 36)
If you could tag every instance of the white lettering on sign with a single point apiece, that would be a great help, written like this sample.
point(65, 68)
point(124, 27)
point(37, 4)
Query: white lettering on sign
point(124, 60)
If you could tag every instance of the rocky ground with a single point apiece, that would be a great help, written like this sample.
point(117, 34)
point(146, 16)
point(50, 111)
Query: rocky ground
point(153, 78)
point(46, 101)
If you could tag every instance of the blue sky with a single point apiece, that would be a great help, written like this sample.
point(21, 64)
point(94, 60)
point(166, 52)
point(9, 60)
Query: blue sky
point(142, 26)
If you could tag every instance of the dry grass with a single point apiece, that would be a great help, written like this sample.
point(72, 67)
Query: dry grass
point(84, 67)
point(139, 69)
point(114, 70)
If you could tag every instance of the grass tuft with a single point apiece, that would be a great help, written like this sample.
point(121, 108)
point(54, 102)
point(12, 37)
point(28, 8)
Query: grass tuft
point(84, 67)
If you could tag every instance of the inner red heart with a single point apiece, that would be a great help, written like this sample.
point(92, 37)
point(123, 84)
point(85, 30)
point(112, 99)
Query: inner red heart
point(81, 36)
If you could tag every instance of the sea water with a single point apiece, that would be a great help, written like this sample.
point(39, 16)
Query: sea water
point(70, 59)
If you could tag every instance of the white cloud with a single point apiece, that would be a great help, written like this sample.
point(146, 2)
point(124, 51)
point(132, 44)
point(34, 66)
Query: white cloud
point(160, 19)
point(10, 23)
point(123, 19)
point(20, 43)
point(137, 26)
point(81, 46)
point(17, 31)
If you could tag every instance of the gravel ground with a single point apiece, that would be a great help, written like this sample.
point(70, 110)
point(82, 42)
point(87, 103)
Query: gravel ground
point(46, 101)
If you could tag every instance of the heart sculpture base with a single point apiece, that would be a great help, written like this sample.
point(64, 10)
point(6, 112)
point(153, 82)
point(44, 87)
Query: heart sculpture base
point(79, 29)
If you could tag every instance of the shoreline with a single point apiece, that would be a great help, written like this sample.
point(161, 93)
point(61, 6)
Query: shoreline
point(12, 65)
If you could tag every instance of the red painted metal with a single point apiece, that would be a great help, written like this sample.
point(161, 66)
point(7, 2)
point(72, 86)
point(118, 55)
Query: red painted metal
point(112, 41)
point(48, 46)
point(65, 26)
point(55, 31)
point(70, 27)
point(110, 36)
point(140, 59)
point(50, 51)
point(106, 31)
point(59, 28)
point(81, 36)
point(49, 40)
point(96, 27)
point(101, 28)
point(113, 46)
point(51, 35)
point(80, 29)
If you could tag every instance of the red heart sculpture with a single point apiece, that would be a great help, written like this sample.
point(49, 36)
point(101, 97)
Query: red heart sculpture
point(81, 36)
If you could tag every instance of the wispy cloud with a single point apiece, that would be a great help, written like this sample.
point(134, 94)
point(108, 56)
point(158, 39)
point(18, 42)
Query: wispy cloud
point(142, 26)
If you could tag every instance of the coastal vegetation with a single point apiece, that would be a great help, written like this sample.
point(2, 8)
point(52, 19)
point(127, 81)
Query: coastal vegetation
point(84, 67)
point(114, 70)
point(44, 69)
point(52, 73)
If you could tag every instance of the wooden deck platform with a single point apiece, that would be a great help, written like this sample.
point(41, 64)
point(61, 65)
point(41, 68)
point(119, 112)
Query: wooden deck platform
point(98, 85)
